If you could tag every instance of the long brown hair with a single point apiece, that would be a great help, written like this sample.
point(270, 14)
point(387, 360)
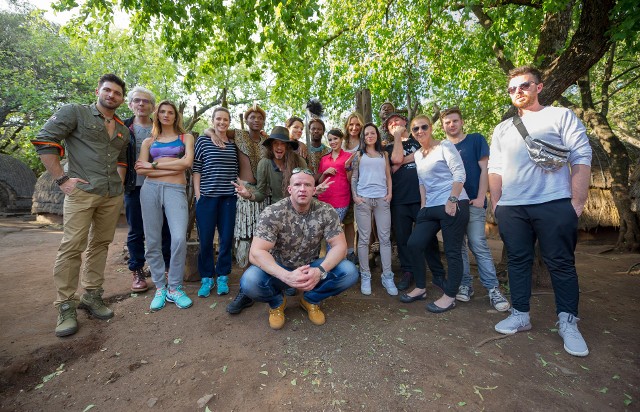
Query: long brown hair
point(291, 161)
point(177, 122)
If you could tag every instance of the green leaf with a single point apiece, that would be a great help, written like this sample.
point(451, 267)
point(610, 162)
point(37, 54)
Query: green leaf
point(293, 382)
point(224, 369)
point(462, 403)
point(177, 340)
point(213, 305)
point(604, 390)
point(88, 407)
point(264, 373)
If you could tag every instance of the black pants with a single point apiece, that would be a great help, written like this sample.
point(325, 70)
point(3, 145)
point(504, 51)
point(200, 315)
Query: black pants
point(423, 243)
point(555, 225)
point(402, 219)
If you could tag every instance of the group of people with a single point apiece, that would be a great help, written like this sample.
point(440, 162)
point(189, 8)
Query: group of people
point(279, 199)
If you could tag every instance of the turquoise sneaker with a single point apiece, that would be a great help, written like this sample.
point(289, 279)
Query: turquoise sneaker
point(179, 297)
point(205, 288)
point(223, 288)
point(158, 300)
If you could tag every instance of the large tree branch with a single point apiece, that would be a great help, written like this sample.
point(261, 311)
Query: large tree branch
point(604, 89)
point(498, 47)
point(589, 43)
point(492, 4)
point(553, 35)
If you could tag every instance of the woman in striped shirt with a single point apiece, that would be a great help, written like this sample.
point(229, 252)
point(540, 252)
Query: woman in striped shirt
point(214, 170)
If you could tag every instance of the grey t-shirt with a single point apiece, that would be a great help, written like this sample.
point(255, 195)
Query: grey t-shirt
point(141, 133)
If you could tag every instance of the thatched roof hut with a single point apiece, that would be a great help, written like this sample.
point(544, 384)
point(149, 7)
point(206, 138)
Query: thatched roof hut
point(47, 197)
point(17, 182)
point(600, 211)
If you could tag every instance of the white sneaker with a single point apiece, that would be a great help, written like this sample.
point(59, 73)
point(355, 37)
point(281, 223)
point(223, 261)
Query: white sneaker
point(516, 322)
point(365, 283)
point(574, 343)
point(389, 285)
point(498, 301)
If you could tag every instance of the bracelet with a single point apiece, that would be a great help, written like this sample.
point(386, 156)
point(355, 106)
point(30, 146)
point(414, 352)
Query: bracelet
point(61, 180)
point(154, 165)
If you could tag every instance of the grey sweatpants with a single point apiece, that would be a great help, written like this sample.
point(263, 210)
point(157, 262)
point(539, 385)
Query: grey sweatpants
point(155, 195)
point(381, 212)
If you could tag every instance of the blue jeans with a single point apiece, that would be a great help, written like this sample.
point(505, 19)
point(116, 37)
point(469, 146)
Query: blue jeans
point(423, 243)
point(262, 287)
point(555, 225)
point(154, 197)
point(212, 213)
point(477, 240)
point(135, 238)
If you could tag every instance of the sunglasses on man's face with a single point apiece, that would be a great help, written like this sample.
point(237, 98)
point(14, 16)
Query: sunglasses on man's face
point(301, 170)
point(424, 128)
point(522, 86)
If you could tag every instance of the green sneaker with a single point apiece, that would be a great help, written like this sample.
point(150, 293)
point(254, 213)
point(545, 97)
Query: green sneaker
point(158, 300)
point(92, 301)
point(67, 319)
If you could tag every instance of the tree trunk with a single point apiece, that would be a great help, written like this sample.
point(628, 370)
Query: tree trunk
point(629, 237)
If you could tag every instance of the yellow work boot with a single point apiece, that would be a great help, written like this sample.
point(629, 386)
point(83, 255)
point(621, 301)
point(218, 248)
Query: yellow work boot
point(315, 314)
point(276, 316)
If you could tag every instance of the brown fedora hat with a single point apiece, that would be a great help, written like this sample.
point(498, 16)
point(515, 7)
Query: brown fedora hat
point(282, 134)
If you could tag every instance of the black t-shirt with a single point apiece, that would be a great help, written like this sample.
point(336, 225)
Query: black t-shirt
point(405, 180)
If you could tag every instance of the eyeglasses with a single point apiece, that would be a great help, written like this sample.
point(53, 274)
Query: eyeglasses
point(301, 170)
point(138, 100)
point(424, 128)
point(521, 86)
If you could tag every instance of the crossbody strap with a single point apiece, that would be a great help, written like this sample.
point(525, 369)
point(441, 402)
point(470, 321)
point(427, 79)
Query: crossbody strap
point(517, 122)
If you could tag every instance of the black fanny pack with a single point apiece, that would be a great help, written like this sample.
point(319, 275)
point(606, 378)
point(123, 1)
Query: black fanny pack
point(548, 156)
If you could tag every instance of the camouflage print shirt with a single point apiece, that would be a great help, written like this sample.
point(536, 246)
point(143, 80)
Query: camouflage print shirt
point(297, 236)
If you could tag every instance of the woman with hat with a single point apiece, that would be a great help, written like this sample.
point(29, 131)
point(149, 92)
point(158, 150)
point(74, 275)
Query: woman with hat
point(274, 170)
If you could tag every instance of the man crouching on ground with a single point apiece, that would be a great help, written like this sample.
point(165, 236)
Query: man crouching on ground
point(285, 249)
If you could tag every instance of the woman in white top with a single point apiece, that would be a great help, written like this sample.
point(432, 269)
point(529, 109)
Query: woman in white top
point(444, 206)
point(371, 189)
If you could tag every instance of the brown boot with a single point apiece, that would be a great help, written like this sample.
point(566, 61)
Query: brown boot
point(139, 283)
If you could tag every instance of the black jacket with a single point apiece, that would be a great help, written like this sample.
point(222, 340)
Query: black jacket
point(131, 176)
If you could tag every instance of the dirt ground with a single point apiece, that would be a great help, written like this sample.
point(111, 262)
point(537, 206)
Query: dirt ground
point(374, 353)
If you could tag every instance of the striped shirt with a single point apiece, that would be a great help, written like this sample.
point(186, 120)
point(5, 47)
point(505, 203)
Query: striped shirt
point(217, 166)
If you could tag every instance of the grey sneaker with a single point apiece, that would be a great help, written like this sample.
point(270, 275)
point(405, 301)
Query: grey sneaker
point(498, 301)
point(92, 301)
point(365, 283)
point(67, 319)
point(574, 343)
point(516, 322)
point(389, 285)
point(464, 293)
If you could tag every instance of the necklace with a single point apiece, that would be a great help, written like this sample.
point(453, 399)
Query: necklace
point(106, 119)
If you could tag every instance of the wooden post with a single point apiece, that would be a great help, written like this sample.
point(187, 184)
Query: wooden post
point(365, 103)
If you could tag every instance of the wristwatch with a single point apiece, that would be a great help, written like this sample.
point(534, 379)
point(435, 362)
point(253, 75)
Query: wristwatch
point(60, 181)
point(154, 165)
point(323, 272)
point(453, 199)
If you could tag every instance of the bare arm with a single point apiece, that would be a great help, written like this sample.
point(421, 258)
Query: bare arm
point(179, 165)
point(355, 165)
point(387, 171)
point(259, 255)
point(483, 184)
point(450, 207)
point(495, 188)
point(196, 184)
point(423, 195)
point(244, 167)
point(580, 180)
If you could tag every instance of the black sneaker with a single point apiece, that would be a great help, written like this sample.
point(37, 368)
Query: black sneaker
point(405, 281)
point(351, 257)
point(241, 302)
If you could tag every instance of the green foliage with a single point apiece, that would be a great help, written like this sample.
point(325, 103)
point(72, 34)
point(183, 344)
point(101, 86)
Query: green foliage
point(39, 72)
